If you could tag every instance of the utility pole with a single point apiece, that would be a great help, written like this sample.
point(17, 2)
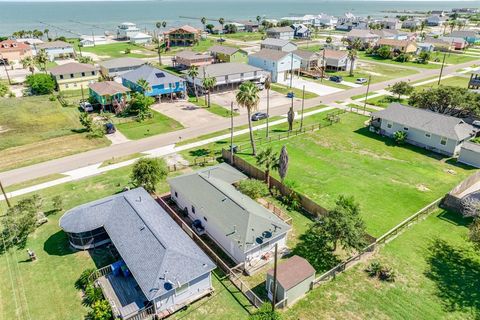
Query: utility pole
point(303, 104)
point(441, 69)
point(231, 133)
point(5, 195)
point(4, 62)
point(366, 94)
point(274, 293)
point(291, 72)
point(93, 38)
point(323, 65)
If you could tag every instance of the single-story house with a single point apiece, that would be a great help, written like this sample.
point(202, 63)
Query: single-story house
point(439, 44)
point(390, 23)
point(365, 36)
point(284, 33)
point(471, 36)
point(336, 60)
point(400, 46)
point(228, 54)
point(161, 83)
point(427, 129)
point(278, 44)
point(301, 31)
point(251, 26)
point(140, 38)
point(90, 41)
point(458, 43)
point(117, 67)
point(245, 230)
point(278, 63)
point(294, 280)
point(228, 75)
point(74, 75)
point(160, 268)
point(309, 60)
point(435, 20)
point(182, 37)
point(108, 93)
point(470, 154)
point(13, 52)
point(55, 49)
point(188, 58)
point(412, 24)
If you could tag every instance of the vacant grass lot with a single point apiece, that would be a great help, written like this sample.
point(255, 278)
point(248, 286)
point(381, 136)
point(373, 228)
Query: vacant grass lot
point(452, 81)
point(390, 182)
point(214, 108)
point(242, 36)
point(158, 123)
point(366, 57)
point(438, 276)
point(117, 50)
point(45, 289)
point(379, 73)
point(280, 88)
point(35, 129)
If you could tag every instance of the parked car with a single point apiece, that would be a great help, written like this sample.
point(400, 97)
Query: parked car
point(110, 128)
point(290, 95)
point(259, 116)
point(198, 228)
point(337, 79)
point(259, 85)
point(86, 106)
point(221, 40)
point(476, 123)
point(361, 81)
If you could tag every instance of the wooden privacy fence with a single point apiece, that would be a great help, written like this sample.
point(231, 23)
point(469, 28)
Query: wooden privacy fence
point(276, 210)
point(198, 161)
point(368, 250)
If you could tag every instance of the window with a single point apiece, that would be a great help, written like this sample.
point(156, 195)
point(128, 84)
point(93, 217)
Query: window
point(71, 75)
point(428, 135)
point(443, 141)
point(61, 76)
point(93, 73)
point(176, 194)
point(405, 128)
point(83, 74)
point(389, 125)
point(193, 209)
point(205, 218)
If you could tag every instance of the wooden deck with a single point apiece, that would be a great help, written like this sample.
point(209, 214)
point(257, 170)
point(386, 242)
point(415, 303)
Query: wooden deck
point(124, 294)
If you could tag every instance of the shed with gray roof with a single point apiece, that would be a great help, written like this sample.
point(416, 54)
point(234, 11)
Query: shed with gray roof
point(165, 264)
point(434, 131)
point(243, 228)
point(470, 154)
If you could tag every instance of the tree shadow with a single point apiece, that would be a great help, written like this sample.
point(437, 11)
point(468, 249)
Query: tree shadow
point(79, 130)
point(57, 245)
point(261, 291)
point(457, 277)
point(203, 152)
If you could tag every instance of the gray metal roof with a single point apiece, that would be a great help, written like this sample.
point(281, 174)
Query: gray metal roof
point(225, 49)
point(273, 55)
point(472, 146)
point(190, 55)
point(233, 213)
point(152, 75)
point(224, 69)
point(306, 55)
point(276, 42)
point(426, 120)
point(122, 63)
point(280, 29)
point(72, 67)
point(155, 249)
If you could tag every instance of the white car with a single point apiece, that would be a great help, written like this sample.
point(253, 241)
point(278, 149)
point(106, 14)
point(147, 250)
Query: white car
point(361, 81)
point(86, 106)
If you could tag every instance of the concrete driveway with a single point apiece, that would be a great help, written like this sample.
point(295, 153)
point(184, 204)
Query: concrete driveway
point(311, 86)
point(186, 113)
point(276, 99)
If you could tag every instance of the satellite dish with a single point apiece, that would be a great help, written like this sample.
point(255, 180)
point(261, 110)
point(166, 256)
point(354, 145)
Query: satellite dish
point(267, 234)
point(168, 286)
point(259, 240)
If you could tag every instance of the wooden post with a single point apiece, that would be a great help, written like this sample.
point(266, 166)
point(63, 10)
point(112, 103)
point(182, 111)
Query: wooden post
point(303, 103)
point(5, 195)
point(366, 94)
point(231, 133)
point(274, 293)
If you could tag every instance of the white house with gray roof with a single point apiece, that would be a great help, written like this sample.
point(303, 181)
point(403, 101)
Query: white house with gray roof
point(285, 33)
point(244, 229)
point(161, 268)
point(278, 44)
point(278, 63)
point(427, 129)
point(117, 67)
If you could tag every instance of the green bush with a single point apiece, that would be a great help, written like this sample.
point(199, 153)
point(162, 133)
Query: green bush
point(3, 89)
point(83, 280)
point(253, 188)
point(92, 294)
point(383, 273)
point(400, 137)
point(101, 310)
point(40, 83)
point(373, 269)
point(148, 172)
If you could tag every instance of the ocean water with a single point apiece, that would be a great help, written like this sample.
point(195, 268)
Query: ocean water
point(71, 18)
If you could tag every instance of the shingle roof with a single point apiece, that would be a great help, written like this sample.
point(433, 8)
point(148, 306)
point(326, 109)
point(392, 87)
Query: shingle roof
point(276, 42)
point(472, 146)
point(428, 121)
point(122, 63)
point(152, 75)
point(223, 69)
point(188, 54)
point(305, 55)
point(155, 249)
point(360, 33)
point(224, 49)
point(185, 28)
point(335, 54)
point(394, 42)
point(232, 213)
point(272, 55)
point(53, 44)
point(72, 67)
point(280, 29)
point(464, 33)
point(108, 88)
point(293, 271)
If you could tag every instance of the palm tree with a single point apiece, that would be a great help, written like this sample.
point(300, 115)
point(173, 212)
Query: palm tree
point(258, 19)
point(352, 56)
point(452, 25)
point(29, 63)
point(204, 22)
point(164, 24)
point(209, 83)
point(159, 47)
point(268, 85)
point(422, 25)
point(222, 22)
point(42, 58)
point(283, 163)
point(144, 85)
point(247, 97)
point(46, 31)
point(193, 73)
point(357, 44)
point(268, 160)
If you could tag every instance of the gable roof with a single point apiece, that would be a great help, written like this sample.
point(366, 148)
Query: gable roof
point(426, 120)
point(276, 42)
point(155, 249)
point(225, 50)
point(190, 55)
point(122, 63)
point(12, 45)
point(280, 29)
point(335, 54)
point(464, 33)
point(72, 67)
point(185, 28)
point(360, 33)
point(223, 69)
point(394, 42)
point(293, 271)
point(54, 45)
point(234, 214)
point(272, 55)
point(152, 75)
point(306, 55)
point(108, 88)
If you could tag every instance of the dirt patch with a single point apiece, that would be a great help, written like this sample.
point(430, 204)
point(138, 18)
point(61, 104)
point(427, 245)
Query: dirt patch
point(175, 159)
point(450, 171)
point(422, 188)
point(376, 156)
point(4, 129)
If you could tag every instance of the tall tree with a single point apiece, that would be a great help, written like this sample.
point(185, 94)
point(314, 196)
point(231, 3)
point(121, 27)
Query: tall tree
point(222, 22)
point(208, 84)
point(204, 22)
point(352, 56)
point(248, 97)
point(401, 88)
point(29, 63)
point(144, 85)
point(46, 31)
point(258, 18)
point(193, 73)
point(268, 159)
point(148, 172)
point(42, 59)
point(159, 44)
point(283, 163)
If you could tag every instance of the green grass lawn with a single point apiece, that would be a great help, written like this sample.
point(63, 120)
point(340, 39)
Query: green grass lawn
point(385, 100)
point(311, 47)
point(242, 36)
point(452, 58)
point(374, 58)
point(452, 81)
point(280, 88)
point(35, 129)
point(438, 276)
point(158, 123)
point(117, 50)
point(214, 108)
point(390, 182)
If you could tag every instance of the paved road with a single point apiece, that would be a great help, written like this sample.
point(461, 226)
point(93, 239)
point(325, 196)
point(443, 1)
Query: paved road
point(94, 156)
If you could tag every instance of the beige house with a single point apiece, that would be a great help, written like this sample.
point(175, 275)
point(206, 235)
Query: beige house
point(74, 75)
point(13, 52)
point(402, 46)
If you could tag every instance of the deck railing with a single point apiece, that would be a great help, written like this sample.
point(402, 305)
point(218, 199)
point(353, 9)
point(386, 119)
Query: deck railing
point(143, 313)
point(100, 273)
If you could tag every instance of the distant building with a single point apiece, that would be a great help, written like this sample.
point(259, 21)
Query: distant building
point(412, 24)
point(278, 44)
point(160, 82)
point(182, 37)
point(278, 63)
point(90, 41)
point(12, 52)
point(365, 36)
point(336, 60)
point(399, 46)
point(55, 50)
point(188, 58)
point(251, 26)
point(140, 38)
point(283, 33)
point(127, 30)
point(228, 54)
point(390, 23)
point(471, 36)
point(74, 75)
point(117, 67)
point(301, 31)
point(435, 21)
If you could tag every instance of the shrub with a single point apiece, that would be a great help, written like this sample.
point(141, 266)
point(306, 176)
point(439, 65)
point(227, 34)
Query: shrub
point(3, 89)
point(383, 273)
point(387, 274)
point(83, 280)
point(57, 203)
point(40, 83)
point(148, 172)
point(373, 269)
point(101, 310)
point(292, 201)
point(400, 137)
point(265, 313)
point(92, 294)
point(52, 98)
point(86, 121)
point(253, 188)
point(97, 131)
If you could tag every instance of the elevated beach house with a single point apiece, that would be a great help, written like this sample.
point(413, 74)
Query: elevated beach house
point(278, 63)
point(160, 83)
point(159, 269)
point(228, 54)
point(309, 60)
point(336, 60)
point(74, 75)
point(187, 58)
point(246, 231)
point(424, 128)
point(55, 50)
point(13, 52)
point(126, 30)
point(284, 33)
point(278, 44)
point(109, 93)
point(183, 36)
point(116, 67)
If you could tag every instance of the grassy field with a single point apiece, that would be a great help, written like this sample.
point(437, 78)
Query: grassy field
point(35, 129)
point(214, 108)
point(452, 58)
point(390, 182)
point(280, 88)
point(117, 50)
point(452, 81)
point(34, 286)
point(438, 276)
point(158, 123)
point(242, 36)
point(366, 57)
point(379, 73)
point(384, 101)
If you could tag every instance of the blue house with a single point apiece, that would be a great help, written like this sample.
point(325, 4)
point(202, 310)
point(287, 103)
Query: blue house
point(161, 83)
point(471, 36)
